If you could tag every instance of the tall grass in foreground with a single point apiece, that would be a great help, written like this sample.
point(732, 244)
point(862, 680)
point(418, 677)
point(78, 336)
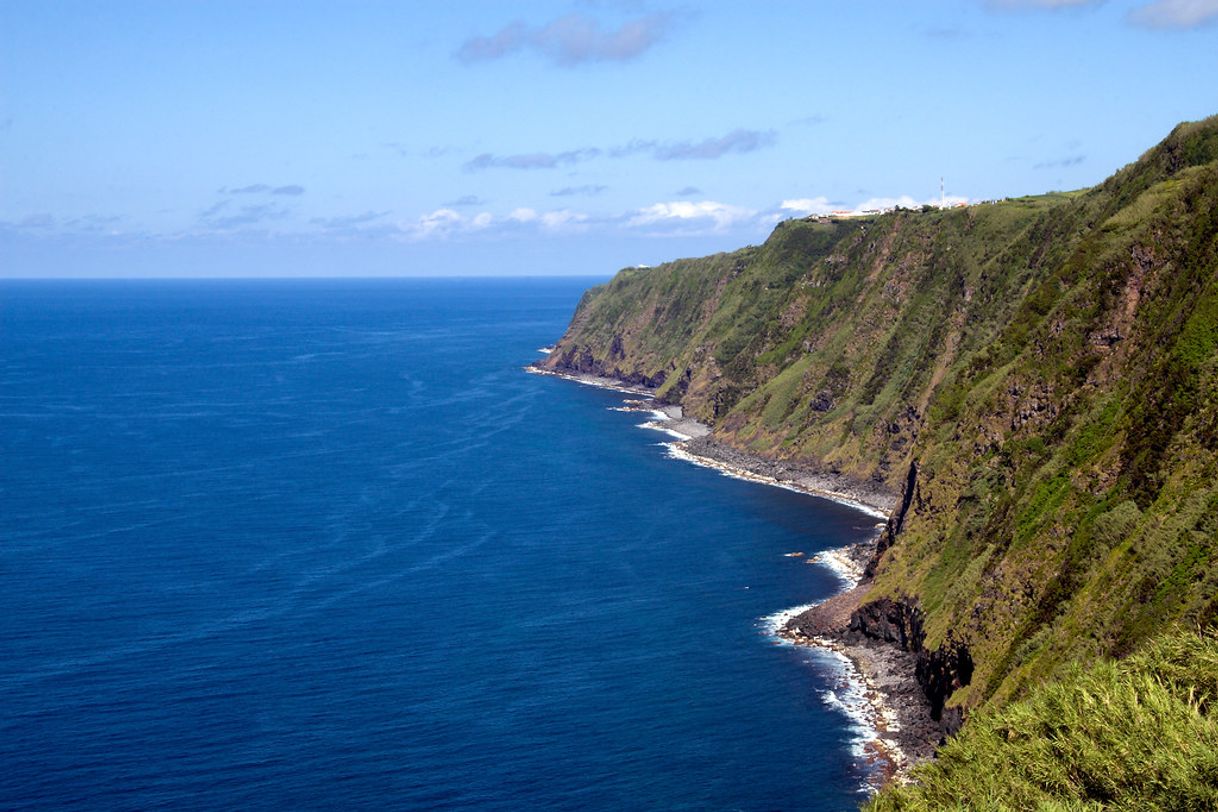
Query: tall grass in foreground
point(1139, 734)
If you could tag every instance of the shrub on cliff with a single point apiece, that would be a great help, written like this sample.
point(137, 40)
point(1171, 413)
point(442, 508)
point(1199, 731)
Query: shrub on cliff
point(1137, 734)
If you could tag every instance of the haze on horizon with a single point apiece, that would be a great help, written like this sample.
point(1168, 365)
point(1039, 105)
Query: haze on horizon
point(475, 138)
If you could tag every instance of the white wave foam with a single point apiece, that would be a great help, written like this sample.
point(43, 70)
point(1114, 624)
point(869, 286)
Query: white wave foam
point(675, 451)
point(848, 690)
point(773, 624)
point(658, 425)
point(848, 694)
point(598, 383)
point(839, 561)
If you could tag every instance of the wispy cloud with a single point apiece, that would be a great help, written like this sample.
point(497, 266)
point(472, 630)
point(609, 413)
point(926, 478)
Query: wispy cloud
point(95, 223)
point(1159, 14)
point(1051, 5)
point(347, 222)
point(214, 209)
point(222, 216)
point(947, 33)
point(531, 160)
point(40, 224)
point(1061, 163)
point(403, 151)
point(1176, 14)
point(589, 190)
point(808, 121)
point(571, 40)
point(688, 191)
point(292, 190)
point(464, 201)
point(735, 142)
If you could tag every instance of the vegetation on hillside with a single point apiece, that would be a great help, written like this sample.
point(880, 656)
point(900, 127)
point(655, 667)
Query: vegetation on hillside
point(1050, 363)
point(1140, 734)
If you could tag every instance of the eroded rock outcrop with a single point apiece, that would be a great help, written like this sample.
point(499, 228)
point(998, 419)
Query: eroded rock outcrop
point(939, 672)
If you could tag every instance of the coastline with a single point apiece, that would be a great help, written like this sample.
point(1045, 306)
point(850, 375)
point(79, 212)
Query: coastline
point(883, 698)
point(695, 445)
point(881, 695)
point(905, 735)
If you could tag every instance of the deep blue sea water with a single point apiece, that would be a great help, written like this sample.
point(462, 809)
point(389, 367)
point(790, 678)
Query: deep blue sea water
point(306, 544)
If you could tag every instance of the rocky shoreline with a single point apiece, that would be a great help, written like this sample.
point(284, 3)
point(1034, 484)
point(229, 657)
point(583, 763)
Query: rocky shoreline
point(906, 733)
point(873, 499)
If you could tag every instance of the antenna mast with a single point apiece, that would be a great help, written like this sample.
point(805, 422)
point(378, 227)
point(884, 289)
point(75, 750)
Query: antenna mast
point(942, 197)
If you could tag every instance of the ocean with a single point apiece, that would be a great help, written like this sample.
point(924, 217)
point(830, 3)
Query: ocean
point(324, 544)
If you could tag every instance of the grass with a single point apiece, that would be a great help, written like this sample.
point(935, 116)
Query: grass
point(1139, 734)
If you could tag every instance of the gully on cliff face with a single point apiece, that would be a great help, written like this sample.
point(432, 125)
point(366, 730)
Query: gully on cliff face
point(941, 671)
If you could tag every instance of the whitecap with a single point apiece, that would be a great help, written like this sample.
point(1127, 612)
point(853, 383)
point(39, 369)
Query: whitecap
point(839, 561)
point(658, 425)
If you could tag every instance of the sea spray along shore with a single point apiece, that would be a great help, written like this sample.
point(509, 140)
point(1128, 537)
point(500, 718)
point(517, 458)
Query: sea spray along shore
point(874, 681)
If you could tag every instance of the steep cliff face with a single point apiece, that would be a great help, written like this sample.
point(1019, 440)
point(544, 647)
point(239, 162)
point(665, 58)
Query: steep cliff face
point(825, 343)
point(1038, 377)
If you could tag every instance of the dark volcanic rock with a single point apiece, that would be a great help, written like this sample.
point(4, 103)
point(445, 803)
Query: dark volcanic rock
point(898, 622)
point(939, 672)
point(895, 522)
point(616, 349)
point(581, 361)
point(823, 401)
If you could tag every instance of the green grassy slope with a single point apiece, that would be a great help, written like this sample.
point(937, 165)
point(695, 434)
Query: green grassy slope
point(1065, 506)
point(1050, 363)
point(1136, 735)
point(822, 344)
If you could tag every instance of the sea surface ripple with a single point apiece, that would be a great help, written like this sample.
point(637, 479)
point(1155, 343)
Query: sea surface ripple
point(322, 545)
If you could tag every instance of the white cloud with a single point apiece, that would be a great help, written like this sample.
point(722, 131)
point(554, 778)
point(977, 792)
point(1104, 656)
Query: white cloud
point(438, 223)
point(902, 201)
point(1176, 13)
point(445, 222)
point(804, 206)
point(815, 206)
point(563, 220)
point(706, 212)
point(907, 202)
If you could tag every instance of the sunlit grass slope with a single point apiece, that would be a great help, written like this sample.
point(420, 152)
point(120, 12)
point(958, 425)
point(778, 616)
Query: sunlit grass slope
point(1139, 734)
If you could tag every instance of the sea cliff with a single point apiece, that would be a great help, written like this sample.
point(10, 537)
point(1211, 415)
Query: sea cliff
point(1031, 383)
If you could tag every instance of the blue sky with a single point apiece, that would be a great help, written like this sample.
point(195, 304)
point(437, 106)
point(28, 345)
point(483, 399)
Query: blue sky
point(483, 138)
